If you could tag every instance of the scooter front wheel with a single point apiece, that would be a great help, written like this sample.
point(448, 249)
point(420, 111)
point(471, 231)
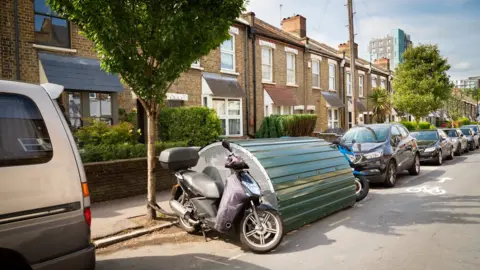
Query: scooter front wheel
point(263, 237)
point(362, 187)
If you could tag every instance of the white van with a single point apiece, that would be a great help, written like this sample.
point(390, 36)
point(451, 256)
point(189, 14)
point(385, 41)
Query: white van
point(44, 201)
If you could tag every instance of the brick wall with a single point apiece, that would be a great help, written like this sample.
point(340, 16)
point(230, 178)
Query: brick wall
point(123, 178)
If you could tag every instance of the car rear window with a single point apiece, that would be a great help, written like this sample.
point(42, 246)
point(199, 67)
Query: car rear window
point(466, 131)
point(24, 138)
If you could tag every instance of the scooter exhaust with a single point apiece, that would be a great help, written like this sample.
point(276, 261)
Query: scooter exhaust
point(182, 212)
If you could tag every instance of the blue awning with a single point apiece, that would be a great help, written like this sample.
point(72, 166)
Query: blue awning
point(78, 73)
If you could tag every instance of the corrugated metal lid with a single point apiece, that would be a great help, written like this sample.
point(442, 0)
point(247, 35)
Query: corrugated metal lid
point(281, 96)
point(333, 100)
point(222, 86)
point(78, 73)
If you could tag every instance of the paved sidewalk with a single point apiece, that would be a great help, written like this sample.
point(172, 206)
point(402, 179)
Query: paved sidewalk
point(112, 217)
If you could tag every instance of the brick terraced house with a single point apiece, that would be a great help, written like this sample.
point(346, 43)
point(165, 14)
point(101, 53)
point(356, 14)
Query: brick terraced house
point(261, 70)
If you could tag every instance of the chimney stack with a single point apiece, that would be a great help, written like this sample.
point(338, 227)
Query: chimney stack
point(296, 25)
point(345, 47)
point(383, 63)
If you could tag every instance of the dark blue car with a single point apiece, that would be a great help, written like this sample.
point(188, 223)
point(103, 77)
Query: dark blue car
point(387, 149)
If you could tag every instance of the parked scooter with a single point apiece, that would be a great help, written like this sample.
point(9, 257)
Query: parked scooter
point(203, 202)
point(361, 181)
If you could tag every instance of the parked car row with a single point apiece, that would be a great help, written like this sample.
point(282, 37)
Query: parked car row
point(388, 149)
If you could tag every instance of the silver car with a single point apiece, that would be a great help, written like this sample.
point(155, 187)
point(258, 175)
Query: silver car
point(44, 203)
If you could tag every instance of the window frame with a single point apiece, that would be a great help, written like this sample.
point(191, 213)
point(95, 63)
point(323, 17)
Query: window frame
point(332, 76)
point(331, 118)
point(232, 52)
point(315, 62)
point(374, 79)
point(52, 16)
point(270, 65)
point(227, 117)
point(293, 57)
point(102, 117)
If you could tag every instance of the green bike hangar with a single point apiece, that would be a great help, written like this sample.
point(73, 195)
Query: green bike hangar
point(304, 178)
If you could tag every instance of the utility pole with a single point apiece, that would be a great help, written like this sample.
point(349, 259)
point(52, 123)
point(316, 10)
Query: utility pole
point(353, 80)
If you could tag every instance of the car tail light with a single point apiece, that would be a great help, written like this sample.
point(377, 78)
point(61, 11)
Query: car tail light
point(87, 213)
point(88, 216)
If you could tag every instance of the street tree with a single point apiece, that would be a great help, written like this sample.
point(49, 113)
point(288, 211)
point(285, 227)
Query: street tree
point(421, 82)
point(380, 104)
point(149, 44)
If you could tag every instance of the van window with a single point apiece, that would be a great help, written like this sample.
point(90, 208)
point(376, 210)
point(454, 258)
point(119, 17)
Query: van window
point(24, 138)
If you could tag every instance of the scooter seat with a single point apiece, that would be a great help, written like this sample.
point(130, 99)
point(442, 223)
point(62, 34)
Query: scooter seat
point(204, 184)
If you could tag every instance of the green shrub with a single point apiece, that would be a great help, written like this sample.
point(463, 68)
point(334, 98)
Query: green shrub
point(409, 125)
point(287, 125)
point(105, 152)
point(98, 132)
point(198, 126)
point(413, 125)
point(463, 121)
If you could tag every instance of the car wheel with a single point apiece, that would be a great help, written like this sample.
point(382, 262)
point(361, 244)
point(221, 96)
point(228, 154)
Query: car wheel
point(439, 158)
point(391, 174)
point(450, 157)
point(415, 169)
point(466, 149)
point(459, 150)
point(472, 146)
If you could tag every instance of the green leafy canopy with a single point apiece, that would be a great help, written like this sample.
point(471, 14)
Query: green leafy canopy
point(151, 42)
point(421, 82)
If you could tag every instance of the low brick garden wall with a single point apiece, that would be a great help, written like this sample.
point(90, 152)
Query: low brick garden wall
point(118, 179)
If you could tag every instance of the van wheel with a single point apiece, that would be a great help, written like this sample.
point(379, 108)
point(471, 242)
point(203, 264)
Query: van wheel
point(391, 174)
point(12, 260)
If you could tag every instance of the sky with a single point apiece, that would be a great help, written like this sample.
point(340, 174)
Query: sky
point(452, 24)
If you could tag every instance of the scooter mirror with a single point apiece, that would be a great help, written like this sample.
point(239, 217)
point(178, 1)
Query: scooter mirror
point(226, 145)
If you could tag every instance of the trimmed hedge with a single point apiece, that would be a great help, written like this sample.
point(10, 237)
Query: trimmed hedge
point(105, 152)
point(198, 126)
point(98, 132)
point(295, 125)
point(413, 125)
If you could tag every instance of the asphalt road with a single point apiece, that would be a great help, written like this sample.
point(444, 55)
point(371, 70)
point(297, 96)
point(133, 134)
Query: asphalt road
point(426, 222)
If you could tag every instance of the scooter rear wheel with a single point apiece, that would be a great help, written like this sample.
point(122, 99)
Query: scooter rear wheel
point(265, 237)
point(363, 186)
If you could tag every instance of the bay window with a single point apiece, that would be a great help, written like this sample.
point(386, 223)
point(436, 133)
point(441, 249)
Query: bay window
point(382, 83)
point(229, 112)
point(267, 67)
point(374, 82)
point(332, 118)
point(290, 68)
point(101, 107)
point(227, 51)
point(316, 73)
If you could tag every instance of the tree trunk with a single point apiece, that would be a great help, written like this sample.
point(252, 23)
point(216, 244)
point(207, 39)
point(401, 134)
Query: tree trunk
point(417, 121)
point(151, 161)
